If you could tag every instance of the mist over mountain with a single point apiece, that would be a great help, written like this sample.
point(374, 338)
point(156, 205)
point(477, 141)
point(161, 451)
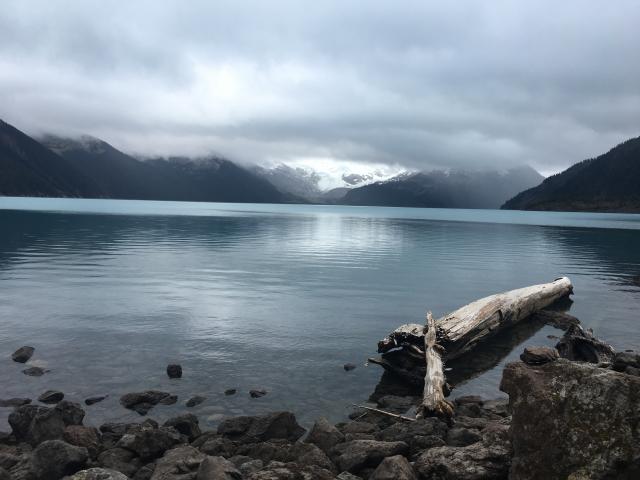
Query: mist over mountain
point(608, 183)
point(446, 189)
point(91, 168)
point(300, 182)
point(29, 168)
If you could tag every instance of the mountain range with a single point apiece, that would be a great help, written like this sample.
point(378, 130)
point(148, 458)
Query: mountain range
point(446, 189)
point(608, 183)
point(87, 167)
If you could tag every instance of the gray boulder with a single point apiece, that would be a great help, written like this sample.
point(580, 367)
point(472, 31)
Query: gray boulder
point(186, 424)
point(179, 463)
point(419, 435)
point(359, 454)
point(572, 418)
point(23, 354)
point(98, 474)
point(461, 437)
point(217, 468)
point(120, 459)
point(539, 355)
point(485, 460)
point(150, 443)
point(259, 428)
point(54, 459)
point(82, 436)
point(324, 435)
point(394, 468)
point(291, 471)
point(305, 454)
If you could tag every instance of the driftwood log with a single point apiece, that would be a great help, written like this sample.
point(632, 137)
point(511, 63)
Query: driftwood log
point(461, 330)
point(456, 334)
point(433, 401)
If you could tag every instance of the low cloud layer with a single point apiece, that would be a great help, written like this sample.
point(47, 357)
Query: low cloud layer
point(409, 84)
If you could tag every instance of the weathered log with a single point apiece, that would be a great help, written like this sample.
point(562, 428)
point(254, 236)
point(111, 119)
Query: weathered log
point(433, 401)
point(461, 330)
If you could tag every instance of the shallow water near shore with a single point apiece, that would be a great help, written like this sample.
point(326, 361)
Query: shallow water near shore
point(276, 297)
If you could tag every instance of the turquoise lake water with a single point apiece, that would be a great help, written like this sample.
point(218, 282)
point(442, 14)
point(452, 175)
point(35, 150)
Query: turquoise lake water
point(277, 297)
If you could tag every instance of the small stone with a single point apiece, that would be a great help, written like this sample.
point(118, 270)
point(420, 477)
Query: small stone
point(35, 371)
point(14, 402)
point(174, 370)
point(230, 391)
point(93, 400)
point(257, 393)
point(51, 396)
point(23, 354)
point(349, 366)
point(539, 355)
point(196, 400)
point(142, 402)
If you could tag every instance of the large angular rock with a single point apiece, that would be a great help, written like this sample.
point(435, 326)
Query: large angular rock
point(54, 459)
point(283, 451)
point(186, 424)
point(485, 460)
point(394, 468)
point(291, 471)
point(324, 435)
point(180, 463)
point(419, 435)
point(150, 443)
point(217, 468)
point(120, 459)
point(358, 454)
point(260, 428)
point(82, 436)
point(98, 474)
point(572, 418)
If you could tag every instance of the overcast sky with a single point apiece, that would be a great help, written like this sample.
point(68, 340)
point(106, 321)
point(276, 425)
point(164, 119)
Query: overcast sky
point(413, 84)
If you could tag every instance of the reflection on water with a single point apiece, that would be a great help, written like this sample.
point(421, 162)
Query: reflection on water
point(275, 297)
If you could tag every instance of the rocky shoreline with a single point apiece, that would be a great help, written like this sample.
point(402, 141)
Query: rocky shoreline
point(564, 419)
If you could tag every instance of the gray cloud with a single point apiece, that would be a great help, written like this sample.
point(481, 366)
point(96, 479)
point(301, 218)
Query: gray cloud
point(417, 84)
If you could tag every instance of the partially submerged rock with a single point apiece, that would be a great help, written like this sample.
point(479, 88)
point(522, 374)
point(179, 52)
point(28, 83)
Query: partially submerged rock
point(195, 400)
point(572, 418)
point(35, 371)
point(142, 402)
point(14, 402)
point(51, 396)
point(581, 345)
point(94, 400)
point(256, 393)
point(174, 370)
point(23, 354)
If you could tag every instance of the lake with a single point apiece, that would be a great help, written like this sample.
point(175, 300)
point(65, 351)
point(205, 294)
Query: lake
point(276, 297)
